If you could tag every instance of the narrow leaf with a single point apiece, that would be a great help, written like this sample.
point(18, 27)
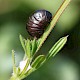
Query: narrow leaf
point(34, 46)
point(27, 73)
point(38, 42)
point(18, 71)
point(22, 42)
point(38, 61)
point(14, 65)
point(28, 48)
point(57, 47)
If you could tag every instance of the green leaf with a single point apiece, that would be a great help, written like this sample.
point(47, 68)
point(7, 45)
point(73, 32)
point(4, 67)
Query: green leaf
point(38, 61)
point(57, 47)
point(22, 42)
point(34, 46)
point(18, 71)
point(28, 48)
point(27, 73)
point(38, 42)
point(14, 65)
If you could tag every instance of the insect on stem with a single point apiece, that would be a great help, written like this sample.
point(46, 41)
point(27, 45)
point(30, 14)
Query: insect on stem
point(53, 22)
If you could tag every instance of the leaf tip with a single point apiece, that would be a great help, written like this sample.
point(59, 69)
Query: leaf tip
point(67, 36)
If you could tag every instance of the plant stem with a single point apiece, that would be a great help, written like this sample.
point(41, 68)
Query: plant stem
point(43, 38)
point(14, 66)
point(14, 78)
point(54, 21)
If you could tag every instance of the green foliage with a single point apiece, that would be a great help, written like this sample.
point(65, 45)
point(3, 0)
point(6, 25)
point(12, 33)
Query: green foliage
point(31, 47)
point(14, 65)
point(22, 42)
point(38, 61)
point(57, 47)
point(34, 46)
point(28, 48)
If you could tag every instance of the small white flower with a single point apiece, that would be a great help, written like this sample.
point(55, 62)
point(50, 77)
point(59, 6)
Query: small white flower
point(23, 64)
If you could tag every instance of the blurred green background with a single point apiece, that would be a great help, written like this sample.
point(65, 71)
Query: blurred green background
point(13, 17)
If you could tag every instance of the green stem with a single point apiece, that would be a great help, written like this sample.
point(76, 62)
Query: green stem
point(14, 77)
point(43, 38)
point(54, 21)
point(14, 65)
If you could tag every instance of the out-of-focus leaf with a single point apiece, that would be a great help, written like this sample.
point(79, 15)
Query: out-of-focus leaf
point(14, 65)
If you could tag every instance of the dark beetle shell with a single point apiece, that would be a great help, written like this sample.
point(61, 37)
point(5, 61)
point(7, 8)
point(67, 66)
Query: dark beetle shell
point(38, 22)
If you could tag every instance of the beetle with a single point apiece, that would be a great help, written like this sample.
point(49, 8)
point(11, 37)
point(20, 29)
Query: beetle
point(37, 22)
